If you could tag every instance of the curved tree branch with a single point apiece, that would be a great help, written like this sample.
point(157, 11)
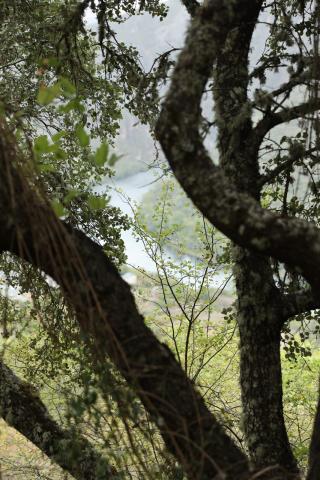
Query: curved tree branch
point(192, 6)
point(112, 325)
point(24, 411)
point(299, 302)
point(272, 120)
point(287, 165)
point(258, 299)
point(237, 215)
point(103, 303)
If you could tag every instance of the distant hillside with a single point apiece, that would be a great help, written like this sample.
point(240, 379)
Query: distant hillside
point(151, 37)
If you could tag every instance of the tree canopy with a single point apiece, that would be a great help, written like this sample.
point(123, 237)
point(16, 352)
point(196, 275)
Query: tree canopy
point(64, 87)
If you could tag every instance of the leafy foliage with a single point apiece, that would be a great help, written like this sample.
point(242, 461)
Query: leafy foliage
point(63, 87)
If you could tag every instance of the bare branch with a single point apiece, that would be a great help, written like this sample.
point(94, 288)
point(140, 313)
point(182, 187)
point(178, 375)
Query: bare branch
point(291, 84)
point(285, 166)
point(272, 119)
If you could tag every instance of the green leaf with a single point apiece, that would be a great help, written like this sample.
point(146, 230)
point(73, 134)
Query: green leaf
point(58, 208)
point(71, 195)
point(68, 89)
point(74, 104)
point(52, 61)
point(96, 202)
point(41, 144)
point(60, 154)
point(46, 95)
point(101, 155)
point(82, 136)
point(113, 159)
point(58, 136)
point(46, 167)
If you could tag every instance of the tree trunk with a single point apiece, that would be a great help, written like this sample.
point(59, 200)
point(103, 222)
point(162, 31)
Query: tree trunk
point(110, 322)
point(259, 314)
point(259, 301)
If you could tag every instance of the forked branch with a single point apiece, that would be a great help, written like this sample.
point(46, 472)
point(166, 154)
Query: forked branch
point(110, 321)
point(240, 217)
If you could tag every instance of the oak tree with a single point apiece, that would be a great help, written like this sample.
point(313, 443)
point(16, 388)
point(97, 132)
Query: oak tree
point(250, 194)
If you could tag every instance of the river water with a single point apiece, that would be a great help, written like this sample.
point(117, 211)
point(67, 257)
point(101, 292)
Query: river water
point(131, 190)
point(123, 192)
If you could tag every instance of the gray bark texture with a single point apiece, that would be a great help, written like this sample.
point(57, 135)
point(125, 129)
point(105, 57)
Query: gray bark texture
point(23, 410)
point(259, 301)
point(235, 213)
point(109, 319)
point(259, 310)
point(228, 195)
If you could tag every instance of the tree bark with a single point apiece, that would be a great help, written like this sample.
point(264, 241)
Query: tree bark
point(235, 213)
point(192, 6)
point(103, 303)
point(23, 410)
point(259, 314)
point(314, 451)
point(259, 301)
point(112, 325)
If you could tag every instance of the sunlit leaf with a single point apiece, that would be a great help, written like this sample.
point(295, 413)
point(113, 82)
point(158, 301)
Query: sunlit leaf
point(101, 155)
point(82, 136)
point(71, 195)
point(96, 202)
point(58, 208)
point(41, 144)
point(47, 95)
point(68, 89)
